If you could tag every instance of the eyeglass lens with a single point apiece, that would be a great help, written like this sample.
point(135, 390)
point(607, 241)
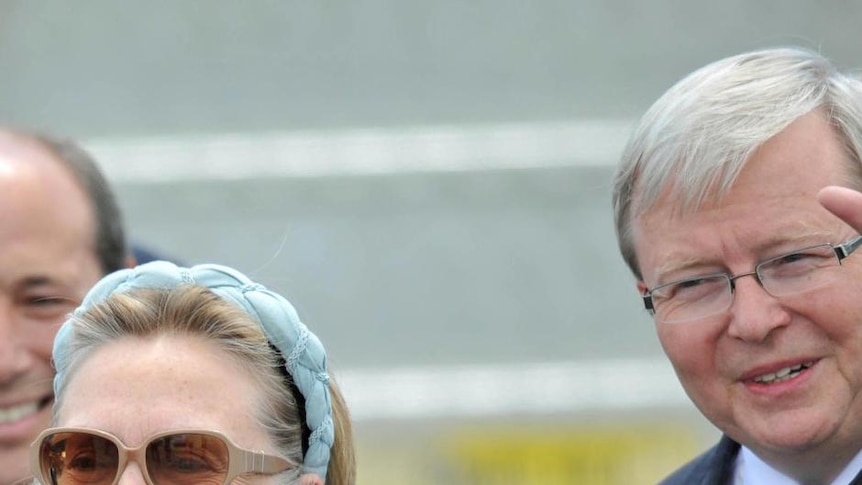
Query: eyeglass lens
point(72, 458)
point(786, 275)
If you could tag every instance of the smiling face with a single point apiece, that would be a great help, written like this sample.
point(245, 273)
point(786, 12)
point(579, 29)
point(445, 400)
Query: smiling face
point(813, 418)
point(47, 264)
point(136, 387)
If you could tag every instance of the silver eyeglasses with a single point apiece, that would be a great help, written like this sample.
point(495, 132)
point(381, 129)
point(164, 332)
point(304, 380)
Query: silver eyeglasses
point(789, 274)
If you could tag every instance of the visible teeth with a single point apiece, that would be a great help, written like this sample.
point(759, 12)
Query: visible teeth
point(782, 375)
point(8, 415)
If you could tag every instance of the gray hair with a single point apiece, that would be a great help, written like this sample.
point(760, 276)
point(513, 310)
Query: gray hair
point(695, 140)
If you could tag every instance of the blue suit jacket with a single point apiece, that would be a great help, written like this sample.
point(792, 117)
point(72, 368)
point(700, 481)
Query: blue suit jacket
point(715, 467)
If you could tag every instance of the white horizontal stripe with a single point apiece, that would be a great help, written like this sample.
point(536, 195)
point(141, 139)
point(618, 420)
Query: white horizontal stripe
point(361, 151)
point(492, 390)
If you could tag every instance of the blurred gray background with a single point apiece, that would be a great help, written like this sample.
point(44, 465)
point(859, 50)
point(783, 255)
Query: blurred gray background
point(427, 181)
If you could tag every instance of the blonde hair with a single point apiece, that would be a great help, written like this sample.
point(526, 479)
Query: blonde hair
point(196, 311)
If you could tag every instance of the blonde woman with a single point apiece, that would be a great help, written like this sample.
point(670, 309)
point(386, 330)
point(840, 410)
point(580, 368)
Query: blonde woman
point(170, 375)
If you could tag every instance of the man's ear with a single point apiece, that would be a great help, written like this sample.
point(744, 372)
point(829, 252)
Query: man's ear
point(130, 261)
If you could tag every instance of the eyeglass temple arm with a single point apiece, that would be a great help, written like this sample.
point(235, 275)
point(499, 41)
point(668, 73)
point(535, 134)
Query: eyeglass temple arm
point(258, 462)
point(647, 298)
point(847, 248)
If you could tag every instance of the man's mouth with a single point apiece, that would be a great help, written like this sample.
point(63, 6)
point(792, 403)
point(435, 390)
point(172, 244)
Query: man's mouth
point(12, 414)
point(783, 374)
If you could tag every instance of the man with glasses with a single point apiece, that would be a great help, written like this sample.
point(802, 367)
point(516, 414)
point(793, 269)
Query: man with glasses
point(728, 215)
point(60, 231)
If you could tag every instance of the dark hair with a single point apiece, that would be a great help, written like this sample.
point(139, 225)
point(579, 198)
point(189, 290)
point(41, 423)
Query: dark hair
point(111, 248)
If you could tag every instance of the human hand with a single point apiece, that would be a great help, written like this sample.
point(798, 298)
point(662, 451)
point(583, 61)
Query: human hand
point(843, 202)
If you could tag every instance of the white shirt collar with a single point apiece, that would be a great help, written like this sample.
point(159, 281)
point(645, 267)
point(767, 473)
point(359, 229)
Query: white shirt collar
point(751, 470)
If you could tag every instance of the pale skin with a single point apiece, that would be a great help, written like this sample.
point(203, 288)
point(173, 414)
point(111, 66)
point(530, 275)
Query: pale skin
point(810, 425)
point(173, 382)
point(47, 264)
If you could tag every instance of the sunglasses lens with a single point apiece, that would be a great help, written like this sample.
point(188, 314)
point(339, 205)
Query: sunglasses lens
point(187, 459)
point(76, 458)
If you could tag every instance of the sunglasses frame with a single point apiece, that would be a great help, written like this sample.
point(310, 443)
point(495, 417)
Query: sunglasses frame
point(240, 460)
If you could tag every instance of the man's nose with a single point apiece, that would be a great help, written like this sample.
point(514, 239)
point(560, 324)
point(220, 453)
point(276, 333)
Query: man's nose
point(754, 312)
point(13, 352)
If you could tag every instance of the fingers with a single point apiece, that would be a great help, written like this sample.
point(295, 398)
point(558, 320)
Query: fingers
point(844, 203)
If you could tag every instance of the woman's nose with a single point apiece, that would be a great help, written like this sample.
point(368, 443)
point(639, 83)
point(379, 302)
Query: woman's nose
point(132, 475)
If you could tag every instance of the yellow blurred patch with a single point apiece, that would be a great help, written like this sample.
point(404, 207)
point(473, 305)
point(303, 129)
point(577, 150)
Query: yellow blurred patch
point(627, 452)
point(594, 455)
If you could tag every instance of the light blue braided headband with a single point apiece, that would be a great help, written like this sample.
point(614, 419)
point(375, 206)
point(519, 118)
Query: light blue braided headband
point(302, 351)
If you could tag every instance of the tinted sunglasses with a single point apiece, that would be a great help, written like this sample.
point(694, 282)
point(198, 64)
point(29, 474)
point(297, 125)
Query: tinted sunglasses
point(71, 456)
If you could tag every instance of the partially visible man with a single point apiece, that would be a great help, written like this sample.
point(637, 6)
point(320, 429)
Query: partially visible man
point(60, 231)
point(753, 284)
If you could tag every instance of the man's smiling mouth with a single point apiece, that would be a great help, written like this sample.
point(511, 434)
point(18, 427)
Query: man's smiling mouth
point(15, 413)
point(783, 374)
